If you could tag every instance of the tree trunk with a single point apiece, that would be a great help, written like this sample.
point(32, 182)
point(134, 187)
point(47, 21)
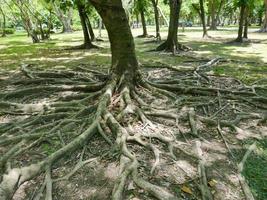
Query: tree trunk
point(241, 23)
point(64, 19)
point(156, 13)
point(208, 20)
point(143, 20)
point(245, 34)
point(90, 28)
point(4, 22)
point(100, 25)
point(219, 12)
point(163, 16)
point(42, 31)
point(202, 17)
point(171, 44)
point(264, 25)
point(66, 23)
point(213, 25)
point(87, 41)
point(124, 61)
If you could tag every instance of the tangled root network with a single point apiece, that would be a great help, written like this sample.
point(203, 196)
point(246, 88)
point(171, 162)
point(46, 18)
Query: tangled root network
point(165, 138)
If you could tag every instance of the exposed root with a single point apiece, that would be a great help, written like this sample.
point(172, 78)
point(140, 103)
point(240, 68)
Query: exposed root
point(129, 119)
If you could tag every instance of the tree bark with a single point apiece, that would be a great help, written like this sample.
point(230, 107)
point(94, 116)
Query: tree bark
point(245, 34)
point(171, 44)
point(87, 40)
point(201, 12)
point(241, 23)
point(213, 25)
point(143, 20)
point(4, 22)
point(124, 61)
point(156, 13)
point(90, 28)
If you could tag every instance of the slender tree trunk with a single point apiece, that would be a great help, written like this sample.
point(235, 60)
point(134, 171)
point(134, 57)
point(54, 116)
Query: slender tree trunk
point(65, 19)
point(202, 17)
point(213, 25)
point(163, 16)
point(90, 28)
point(4, 22)
point(49, 25)
point(241, 24)
point(100, 25)
point(208, 20)
point(219, 12)
point(264, 25)
point(143, 20)
point(42, 31)
point(124, 61)
point(156, 13)
point(245, 34)
point(260, 19)
point(87, 41)
point(171, 44)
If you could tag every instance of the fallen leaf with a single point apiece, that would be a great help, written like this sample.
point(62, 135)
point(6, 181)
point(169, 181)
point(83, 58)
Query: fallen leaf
point(212, 183)
point(186, 190)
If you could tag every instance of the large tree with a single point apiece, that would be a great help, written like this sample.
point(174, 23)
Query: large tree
point(123, 111)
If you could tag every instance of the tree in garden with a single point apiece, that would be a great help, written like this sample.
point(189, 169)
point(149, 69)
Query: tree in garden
point(141, 7)
point(245, 7)
point(86, 25)
point(4, 20)
point(264, 25)
point(201, 11)
point(215, 7)
point(88, 22)
point(64, 12)
point(219, 10)
point(27, 18)
point(125, 108)
point(156, 13)
point(172, 44)
point(212, 6)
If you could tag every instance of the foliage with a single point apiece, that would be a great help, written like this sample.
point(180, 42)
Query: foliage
point(8, 31)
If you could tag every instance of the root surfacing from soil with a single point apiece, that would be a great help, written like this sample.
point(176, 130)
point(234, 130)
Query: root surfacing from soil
point(77, 134)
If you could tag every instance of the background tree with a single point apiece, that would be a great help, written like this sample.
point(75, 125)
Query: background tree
point(212, 4)
point(264, 25)
point(201, 11)
point(64, 12)
point(3, 24)
point(141, 7)
point(171, 44)
point(156, 13)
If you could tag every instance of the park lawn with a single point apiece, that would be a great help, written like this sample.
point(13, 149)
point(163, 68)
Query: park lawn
point(248, 65)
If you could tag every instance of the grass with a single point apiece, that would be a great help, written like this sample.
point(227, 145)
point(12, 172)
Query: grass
point(18, 49)
point(255, 171)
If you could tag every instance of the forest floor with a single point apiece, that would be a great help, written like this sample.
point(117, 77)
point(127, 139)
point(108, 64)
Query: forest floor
point(222, 148)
